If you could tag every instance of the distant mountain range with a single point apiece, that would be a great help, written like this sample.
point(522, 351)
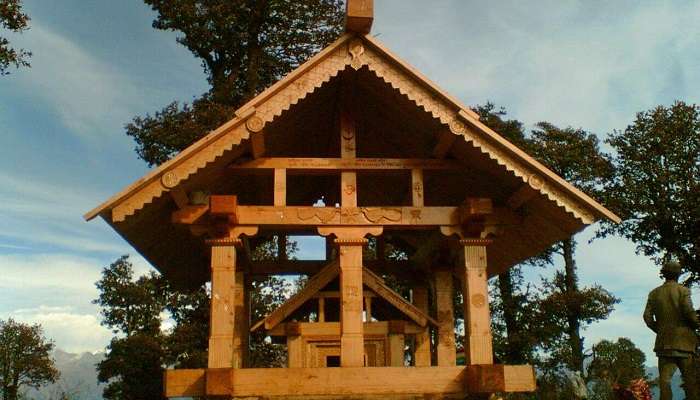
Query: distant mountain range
point(78, 378)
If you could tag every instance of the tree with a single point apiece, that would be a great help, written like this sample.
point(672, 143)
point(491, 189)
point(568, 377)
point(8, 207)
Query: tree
point(575, 155)
point(615, 364)
point(244, 46)
point(131, 308)
point(514, 308)
point(13, 19)
point(656, 186)
point(24, 358)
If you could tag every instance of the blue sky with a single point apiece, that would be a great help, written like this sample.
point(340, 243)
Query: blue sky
point(96, 64)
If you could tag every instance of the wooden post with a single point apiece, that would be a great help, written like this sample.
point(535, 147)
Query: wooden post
point(368, 309)
point(417, 187)
point(422, 350)
point(295, 346)
point(241, 322)
point(321, 309)
point(350, 241)
point(348, 150)
point(446, 350)
point(396, 343)
point(223, 309)
point(478, 346)
point(280, 196)
point(352, 347)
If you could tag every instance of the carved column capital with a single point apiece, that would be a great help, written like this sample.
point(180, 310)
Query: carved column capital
point(475, 242)
point(350, 236)
point(221, 242)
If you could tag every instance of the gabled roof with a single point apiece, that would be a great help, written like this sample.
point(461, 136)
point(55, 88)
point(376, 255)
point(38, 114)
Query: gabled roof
point(141, 212)
point(323, 278)
point(355, 51)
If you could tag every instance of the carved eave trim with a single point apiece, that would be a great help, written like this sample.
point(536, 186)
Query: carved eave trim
point(465, 123)
point(250, 119)
point(356, 52)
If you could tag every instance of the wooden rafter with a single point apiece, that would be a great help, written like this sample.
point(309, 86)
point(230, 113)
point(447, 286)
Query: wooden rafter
point(315, 284)
point(377, 285)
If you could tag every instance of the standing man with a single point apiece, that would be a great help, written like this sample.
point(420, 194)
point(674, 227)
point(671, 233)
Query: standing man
point(669, 313)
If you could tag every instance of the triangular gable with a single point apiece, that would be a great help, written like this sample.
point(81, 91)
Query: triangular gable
point(354, 51)
point(324, 277)
point(316, 283)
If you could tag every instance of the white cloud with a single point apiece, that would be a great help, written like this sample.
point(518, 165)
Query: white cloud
point(40, 213)
point(71, 331)
point(84, 92)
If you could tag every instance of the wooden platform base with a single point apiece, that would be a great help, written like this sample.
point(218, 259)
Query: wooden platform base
point(370, 381)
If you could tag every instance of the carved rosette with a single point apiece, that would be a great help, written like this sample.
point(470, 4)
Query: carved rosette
point(169, 179)
point(254, 124)
point(356, 50)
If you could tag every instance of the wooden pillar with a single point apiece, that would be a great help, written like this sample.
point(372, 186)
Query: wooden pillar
point(396, 343)
point(223, 309)
point(352, 344)
point(446, 349)
point(241, 322)
point(422, 350)
point(350, 241)
point(295, 346)
point(478, 346)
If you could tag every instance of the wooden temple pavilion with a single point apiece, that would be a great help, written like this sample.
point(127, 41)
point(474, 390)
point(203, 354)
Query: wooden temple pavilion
point(396, 160)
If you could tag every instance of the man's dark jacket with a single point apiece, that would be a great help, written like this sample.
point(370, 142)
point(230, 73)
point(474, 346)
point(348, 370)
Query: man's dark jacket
point(669, 313)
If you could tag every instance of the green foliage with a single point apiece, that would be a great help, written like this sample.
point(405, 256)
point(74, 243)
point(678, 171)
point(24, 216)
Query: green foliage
point(542, 326)
point(133, 368)
point(656, 187)
point(244, 46)
point(24, 358)
point(127, 306)
point(613, 364)
point(13, 19)
point(132, 308)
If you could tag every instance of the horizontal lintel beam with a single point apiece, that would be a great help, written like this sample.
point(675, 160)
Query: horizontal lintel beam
point(376, 381)
point(348, 164)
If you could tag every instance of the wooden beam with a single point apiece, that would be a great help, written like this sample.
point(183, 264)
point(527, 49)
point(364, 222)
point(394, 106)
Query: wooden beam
point(241, 322)
point(321, 309)
point(222, 312)
point(257, 144)
point(280, 187)
point(478, 346)
point(295, 351)
point(350, 216)
point(417, 187)
point(445, 141)
point(396, 345)
point(348, 189)
point(359, 15)
point(376, 381)
point(422, 354)
point(521, 196)
point(444, 297)
point(315, 284)
point(189, 215)
point(377, 284)
point(336, 294)
point(368, 307)
point(179, 196)
point(332, 329)
point(311, 267)
point(223, 205)
point(352, 344)
point(305, 165)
